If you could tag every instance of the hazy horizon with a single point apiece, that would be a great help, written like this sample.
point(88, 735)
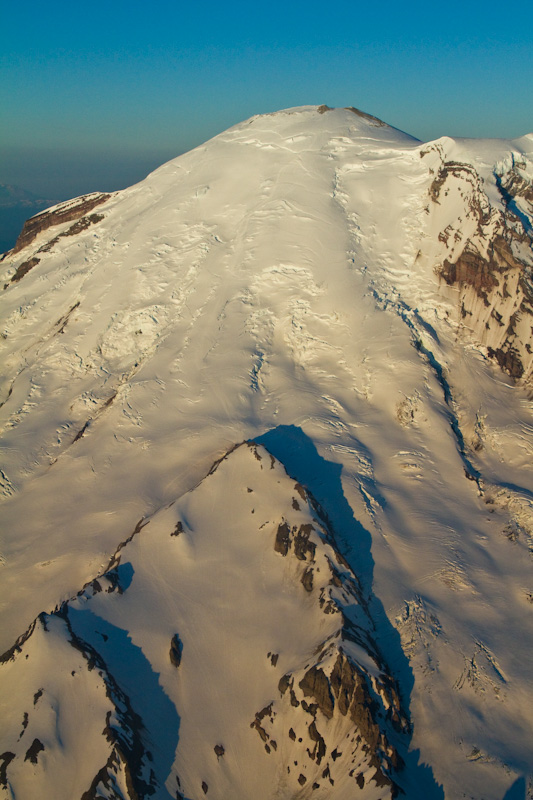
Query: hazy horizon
point(96, 101)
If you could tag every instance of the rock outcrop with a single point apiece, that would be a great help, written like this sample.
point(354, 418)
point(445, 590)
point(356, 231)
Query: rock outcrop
point(489, 258)
point(64, 212)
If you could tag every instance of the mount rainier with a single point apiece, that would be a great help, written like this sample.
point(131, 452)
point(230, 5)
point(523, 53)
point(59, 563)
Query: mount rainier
point(266, 479)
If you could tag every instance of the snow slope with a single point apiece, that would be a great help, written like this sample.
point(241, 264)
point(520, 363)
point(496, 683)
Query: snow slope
point(261, 640)
point(329, 287)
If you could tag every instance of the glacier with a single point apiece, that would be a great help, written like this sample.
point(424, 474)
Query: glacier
point(316, 298)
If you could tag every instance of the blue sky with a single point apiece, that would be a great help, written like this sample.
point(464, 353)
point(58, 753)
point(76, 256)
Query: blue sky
point(95, 95)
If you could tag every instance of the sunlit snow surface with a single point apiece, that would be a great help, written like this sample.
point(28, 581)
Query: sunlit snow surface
point(278, 284)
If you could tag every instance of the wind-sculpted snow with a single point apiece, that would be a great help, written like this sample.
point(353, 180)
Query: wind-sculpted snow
point(360, 303)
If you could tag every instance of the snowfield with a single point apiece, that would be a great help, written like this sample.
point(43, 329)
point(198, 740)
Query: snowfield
point(266, 474)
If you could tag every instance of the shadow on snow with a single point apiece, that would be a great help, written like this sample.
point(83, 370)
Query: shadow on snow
point(517, 791)
point(133, 673)
point(290, 445)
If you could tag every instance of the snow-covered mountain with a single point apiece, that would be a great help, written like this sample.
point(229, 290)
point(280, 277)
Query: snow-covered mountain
point(267, 495)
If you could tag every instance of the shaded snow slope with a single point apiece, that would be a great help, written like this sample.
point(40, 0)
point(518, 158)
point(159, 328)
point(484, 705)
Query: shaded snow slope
point(360, 303)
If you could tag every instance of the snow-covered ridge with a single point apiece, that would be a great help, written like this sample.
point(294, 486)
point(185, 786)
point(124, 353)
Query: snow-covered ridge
point(262, 592)
point(359, 303)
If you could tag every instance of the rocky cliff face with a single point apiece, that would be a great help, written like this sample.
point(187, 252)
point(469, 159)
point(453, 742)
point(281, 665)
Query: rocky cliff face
point(76, 209)
point(489, 255)
point(57, 215)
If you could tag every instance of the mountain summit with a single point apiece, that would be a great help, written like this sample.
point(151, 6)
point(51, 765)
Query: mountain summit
point(267, 495)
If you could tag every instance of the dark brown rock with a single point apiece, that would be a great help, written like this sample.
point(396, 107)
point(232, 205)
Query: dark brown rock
point(455, 168)
point(301, 491)
point(33, 751)
point(82, 224)
point(302, 546)
point(310, 708)
point(471, 269)
point(10, 654)
point(24, 268)
point(72, 210)
point(344, 678)
point(283, 541)
point(515, 185)
point(315, 684)
point(265, 712)
point(81, 432)
point(259, 717)
point(509, 361)
point(5, 760)
point(379, 776)
point(353, 697)
point(25, 721)
point(320, 747)
point(378, 123)
point(62, 322)
point(307, 580)
point(176, 650)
